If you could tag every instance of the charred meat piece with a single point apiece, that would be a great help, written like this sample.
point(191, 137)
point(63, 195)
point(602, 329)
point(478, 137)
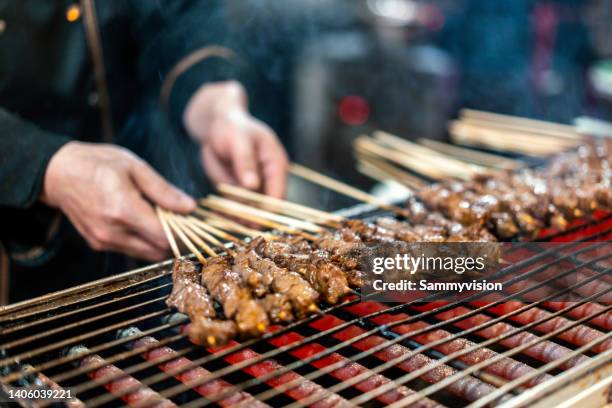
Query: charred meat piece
point(328, 279)
point(192, 299)
point(211, 332)
point(340, 242)
point(229, 290)
point(252, 277)
point(368, 232)
point(301, 294)
point(348, 263)
point(278, 306)
point(188, 296)
point(356, 278)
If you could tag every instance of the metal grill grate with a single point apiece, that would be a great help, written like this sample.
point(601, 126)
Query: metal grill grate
point(116, 343)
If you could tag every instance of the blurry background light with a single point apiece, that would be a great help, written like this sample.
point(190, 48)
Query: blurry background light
point(395, 11)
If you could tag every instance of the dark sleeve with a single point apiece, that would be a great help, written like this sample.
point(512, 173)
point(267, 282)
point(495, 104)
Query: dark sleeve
point(25, 151)
point(169, 33)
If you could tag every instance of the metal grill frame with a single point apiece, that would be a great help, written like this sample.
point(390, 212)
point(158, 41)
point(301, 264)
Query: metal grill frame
point(589, 382)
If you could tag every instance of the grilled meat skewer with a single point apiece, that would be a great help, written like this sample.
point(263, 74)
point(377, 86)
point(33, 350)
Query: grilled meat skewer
point(192, 299)
point(328, 279)
point(279, 309)
point(227, 287)
point(300, 293)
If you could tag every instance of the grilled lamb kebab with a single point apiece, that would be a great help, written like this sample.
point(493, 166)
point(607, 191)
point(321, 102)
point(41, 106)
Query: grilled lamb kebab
point(572, 185)
point(227, 287)
point(279, 308)
point(328, 279)
point(455, 200)
point(390, 230)
point(192, 299)
point(331, 254)
point(302, 296)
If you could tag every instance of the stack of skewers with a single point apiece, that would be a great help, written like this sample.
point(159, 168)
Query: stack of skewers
point(313, 256)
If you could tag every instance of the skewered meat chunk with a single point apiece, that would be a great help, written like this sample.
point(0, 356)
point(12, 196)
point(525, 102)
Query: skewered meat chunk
point(252, 277)
point(348, 264)
point(278, 306)
point(302, 295)
point(332, 257)
point(356, 278)
point(328, 279)
point(228, 289)
point(368, 232)
point(509, 204)
point(188, 296)
point(211, 332)
point(192, 299)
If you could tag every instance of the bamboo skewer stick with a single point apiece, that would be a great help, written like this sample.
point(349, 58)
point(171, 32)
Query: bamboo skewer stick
point(535, 132)
point(375, 174)
point(264, 222)
point(193, 235)
point(213, 230)
point(481, 158)
point(384, 171)
point(177, 229)
point(521, 133)
point(526, 124)
point(218, 221)
point(424, 153)
point(282, 206)
point(164, 223)
point(426, 165)
point(508, 141)
point(342, 188)
point(367, 145)
point(196, 229)
point(242, 208)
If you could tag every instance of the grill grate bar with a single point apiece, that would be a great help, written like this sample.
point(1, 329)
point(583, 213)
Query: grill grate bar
point(63, 343)
point(213, 357)
point(594, 222)
point(52, 298)
point(38, 336)
point(205, 390)
point(70, 374)
point(77, 339)
point(369, 352)
point(462, 374)
point(603, 321)
point(351, 368)
point(218, 374)
point(86, 386)
point(167, 273)
point(147, 394)
point(80, 310)
point(376, 330)
point(548, 367)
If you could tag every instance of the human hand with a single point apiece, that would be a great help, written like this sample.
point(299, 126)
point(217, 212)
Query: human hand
point(236, 148)
point(103, 189)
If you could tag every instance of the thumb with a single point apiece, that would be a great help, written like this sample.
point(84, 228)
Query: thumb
point(158, 190)
point(244, 162)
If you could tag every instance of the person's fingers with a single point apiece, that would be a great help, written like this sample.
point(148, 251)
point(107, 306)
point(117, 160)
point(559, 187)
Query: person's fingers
point(216, 170)
point(274, 162)
point(118, 238)
point(142, 221)
point(158, 190)
point(136, 247)
point(244, 162)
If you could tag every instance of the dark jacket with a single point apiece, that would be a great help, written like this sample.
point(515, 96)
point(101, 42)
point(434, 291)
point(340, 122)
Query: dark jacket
point(50, 94)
